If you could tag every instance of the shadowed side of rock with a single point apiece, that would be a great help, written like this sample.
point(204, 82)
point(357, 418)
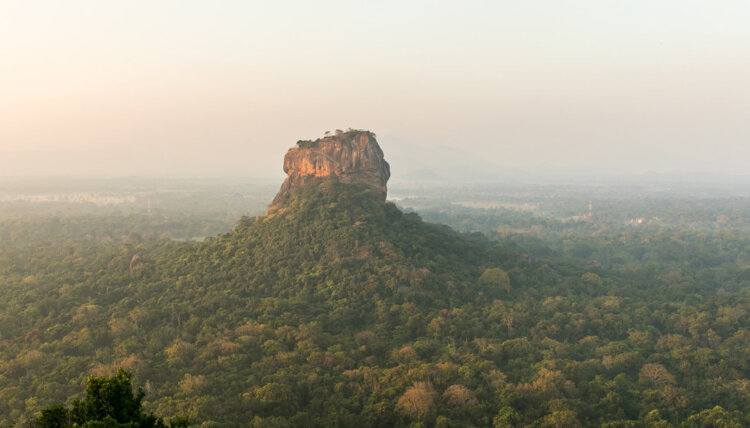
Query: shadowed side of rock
point(352, 157)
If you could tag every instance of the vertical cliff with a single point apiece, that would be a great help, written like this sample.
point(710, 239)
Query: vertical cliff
point(350, 157)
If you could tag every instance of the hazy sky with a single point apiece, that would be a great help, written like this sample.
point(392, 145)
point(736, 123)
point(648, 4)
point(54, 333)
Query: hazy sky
point(205, 87)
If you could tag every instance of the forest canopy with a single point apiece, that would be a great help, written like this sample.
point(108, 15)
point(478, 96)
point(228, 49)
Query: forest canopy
point(343, 310)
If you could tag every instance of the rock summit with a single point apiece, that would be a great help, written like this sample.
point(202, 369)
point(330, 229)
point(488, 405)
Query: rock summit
point(352, 157)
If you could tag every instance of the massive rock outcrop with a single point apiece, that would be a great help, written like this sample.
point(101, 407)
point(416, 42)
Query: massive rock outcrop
point(350, 157)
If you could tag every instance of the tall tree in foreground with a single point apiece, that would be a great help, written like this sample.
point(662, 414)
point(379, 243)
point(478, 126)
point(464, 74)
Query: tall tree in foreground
point(109, 402)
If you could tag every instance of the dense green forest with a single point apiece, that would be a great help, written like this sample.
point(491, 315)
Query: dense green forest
point(340, 310)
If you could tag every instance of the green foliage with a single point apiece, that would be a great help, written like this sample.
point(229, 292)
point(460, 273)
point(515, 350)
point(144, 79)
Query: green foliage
point(111, 399)
point(57, 416)
point(717, 417)
point(305, 144)
point(341, 310)
point(495, 278)
point(109, 402)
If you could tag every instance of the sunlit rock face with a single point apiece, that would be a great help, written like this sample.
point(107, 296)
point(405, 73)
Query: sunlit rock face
point(350, 157)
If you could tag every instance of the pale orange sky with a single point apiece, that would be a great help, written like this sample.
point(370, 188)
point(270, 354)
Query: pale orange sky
point(182, 87)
